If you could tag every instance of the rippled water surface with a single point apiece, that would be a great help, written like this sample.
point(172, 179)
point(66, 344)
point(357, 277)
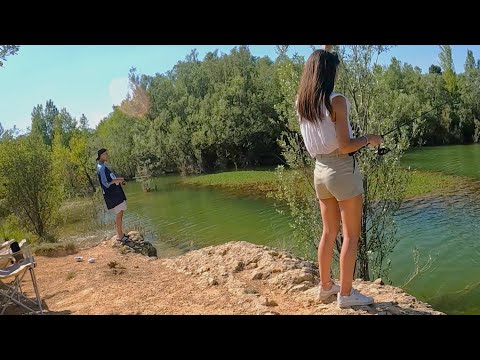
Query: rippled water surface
point(445, 228)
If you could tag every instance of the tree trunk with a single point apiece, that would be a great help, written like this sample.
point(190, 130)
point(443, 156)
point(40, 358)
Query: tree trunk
point(89, 179)
point(362, 246)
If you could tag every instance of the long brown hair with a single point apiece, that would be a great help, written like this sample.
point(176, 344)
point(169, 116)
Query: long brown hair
point(316, 85)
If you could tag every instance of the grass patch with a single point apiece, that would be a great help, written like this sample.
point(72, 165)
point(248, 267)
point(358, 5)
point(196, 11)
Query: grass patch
point(79, 216)
point(432, 183)
point(53, 249)
point(254, 182)
point(10, 228)
point(261, 182)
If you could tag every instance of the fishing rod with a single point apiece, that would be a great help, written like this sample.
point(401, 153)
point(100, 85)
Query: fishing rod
point(383, 151)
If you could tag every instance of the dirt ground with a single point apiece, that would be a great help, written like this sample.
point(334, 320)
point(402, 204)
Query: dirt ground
point(234, 278)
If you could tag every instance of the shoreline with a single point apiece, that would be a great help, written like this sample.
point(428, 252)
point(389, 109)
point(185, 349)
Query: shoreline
point(233, 278)
point(261, 182)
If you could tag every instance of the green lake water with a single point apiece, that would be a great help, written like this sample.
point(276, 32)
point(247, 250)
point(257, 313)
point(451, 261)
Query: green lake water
point(179, 218)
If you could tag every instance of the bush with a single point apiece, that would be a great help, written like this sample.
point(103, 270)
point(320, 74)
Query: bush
point(31, 190)
point(10, 228)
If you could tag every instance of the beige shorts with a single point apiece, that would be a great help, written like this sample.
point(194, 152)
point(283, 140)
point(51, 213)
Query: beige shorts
point(120, 207)
point(337, 176)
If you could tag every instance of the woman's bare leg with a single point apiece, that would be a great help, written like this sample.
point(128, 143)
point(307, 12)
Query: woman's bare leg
point(351, 213)
point(331, 226)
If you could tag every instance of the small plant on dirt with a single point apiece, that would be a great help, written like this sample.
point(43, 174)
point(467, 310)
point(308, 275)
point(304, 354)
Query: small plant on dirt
point(70, 275)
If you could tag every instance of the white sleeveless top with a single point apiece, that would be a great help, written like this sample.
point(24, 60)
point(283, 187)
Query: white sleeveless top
point(320, 137)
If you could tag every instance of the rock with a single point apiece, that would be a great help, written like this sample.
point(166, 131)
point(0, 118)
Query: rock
point(135, 244)
point(305, 277)
point(148, 249)
point(239, 266)
point(395, 310)
point(92, 260)
point(135, 236)
point(292, 277)
point(379, 281)
point(244, 270)
point(313, 291)
point(203, 269)
point(271, 313)
point(78, 258)
point(300, 287)
point(257, 275)
point(212, 281)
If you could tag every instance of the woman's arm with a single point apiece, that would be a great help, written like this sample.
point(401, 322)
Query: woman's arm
point(345, 143)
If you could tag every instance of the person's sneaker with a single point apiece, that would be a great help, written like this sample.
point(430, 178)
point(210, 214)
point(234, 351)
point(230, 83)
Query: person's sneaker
point(325, 294)
point(124, 239)
point(354, 299)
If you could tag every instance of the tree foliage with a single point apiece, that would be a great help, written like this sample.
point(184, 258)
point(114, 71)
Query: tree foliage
point(29, 186)
point(235, 110)
point(7, 50)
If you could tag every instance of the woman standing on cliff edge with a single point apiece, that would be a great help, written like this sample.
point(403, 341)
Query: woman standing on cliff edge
point(327, 133)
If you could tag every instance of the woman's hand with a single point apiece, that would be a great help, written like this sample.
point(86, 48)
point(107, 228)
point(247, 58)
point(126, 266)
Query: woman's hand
point(374, 140)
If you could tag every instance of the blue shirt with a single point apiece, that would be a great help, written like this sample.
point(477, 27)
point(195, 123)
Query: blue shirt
point(103, 176)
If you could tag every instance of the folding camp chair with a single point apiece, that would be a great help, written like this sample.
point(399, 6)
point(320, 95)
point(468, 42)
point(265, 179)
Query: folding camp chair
point(13, 268)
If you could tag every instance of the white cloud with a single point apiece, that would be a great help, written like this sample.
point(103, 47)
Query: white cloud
point(118, 90)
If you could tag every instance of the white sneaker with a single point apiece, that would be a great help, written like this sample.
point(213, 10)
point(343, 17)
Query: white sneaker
point(354, 299)
point(325, 294)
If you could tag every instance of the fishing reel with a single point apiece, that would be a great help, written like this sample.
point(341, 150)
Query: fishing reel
point(379, 150)
point(382, 151)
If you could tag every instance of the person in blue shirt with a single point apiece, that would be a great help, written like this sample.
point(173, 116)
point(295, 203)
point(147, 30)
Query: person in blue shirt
point(113, 194)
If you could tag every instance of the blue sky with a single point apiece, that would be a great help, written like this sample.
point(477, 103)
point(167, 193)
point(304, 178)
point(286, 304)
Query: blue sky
point(91, 79)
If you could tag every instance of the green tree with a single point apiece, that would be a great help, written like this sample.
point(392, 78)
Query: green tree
point(470, 61)
point(446, 62)
point(435, 69)
point(115, 133)
point(83, 123)
point(43, 121)
point(31, 190)
point(80, 150)
point(7, 50)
